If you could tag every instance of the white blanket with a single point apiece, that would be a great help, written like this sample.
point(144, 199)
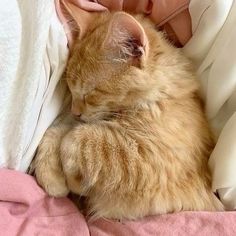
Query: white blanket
point(33, 53)
point(213, 48)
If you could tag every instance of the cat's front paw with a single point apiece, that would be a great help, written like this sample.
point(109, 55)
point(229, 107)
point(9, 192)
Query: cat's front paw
point(53, 184)
point(49, 174)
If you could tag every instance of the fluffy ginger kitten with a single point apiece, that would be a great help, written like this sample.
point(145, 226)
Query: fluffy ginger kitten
point(143, 142)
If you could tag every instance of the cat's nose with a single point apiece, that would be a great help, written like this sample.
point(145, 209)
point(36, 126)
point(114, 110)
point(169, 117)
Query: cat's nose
point(76, 113)
point(77, 116)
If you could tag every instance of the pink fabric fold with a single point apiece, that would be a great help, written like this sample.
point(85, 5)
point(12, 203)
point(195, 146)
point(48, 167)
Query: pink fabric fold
point(182, 224)
point(171, 15)
point(25, 209)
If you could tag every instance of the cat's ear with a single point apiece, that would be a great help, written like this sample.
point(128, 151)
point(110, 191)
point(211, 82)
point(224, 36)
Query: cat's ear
point(127, 36)
point(82, 18)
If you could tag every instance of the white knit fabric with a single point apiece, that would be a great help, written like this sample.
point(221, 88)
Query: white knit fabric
point(33, 54)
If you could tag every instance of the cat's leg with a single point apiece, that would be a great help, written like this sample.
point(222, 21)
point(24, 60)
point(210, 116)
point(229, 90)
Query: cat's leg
point(87, 151)
point(104, 163)
point(48, 169)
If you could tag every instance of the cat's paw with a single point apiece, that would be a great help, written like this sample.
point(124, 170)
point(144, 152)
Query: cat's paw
point(53, 183)
point(56, 189)
point(49, 173)
point(48, 170)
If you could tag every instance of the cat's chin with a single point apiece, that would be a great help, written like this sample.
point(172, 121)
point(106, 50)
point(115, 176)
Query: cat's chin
point(94, 118)
point(78, 118)
point(86, 119)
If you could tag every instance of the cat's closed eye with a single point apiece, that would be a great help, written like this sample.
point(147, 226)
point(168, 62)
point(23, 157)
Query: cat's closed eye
point(90, 100)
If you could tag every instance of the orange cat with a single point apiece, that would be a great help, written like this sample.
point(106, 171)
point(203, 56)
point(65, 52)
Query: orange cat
point(144, 142)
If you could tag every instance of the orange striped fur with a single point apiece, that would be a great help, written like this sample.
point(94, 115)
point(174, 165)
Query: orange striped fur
point(144, 142)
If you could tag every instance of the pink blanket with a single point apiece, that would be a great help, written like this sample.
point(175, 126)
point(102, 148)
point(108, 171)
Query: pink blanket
point(25, 209)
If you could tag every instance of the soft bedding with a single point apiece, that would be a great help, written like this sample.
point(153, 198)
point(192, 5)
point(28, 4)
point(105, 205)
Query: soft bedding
point(213, 50)
point(33, 55)
point(25, 209)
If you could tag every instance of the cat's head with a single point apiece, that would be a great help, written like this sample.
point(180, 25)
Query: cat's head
point(115, 66)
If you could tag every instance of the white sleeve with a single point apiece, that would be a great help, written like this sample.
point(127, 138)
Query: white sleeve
point(213, 49)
